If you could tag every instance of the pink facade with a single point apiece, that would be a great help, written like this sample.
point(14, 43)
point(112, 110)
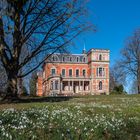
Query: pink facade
point(75, 74)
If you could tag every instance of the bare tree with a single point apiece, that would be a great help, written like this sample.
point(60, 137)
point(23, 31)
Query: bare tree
point(117, 77)
point(130, 62)
point(40, 26)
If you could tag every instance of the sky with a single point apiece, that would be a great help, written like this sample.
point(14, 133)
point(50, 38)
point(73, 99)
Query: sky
point(115, 21)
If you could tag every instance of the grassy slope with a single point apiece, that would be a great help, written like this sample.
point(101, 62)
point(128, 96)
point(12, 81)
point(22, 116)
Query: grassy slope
point(76, 115)
point(130, 104)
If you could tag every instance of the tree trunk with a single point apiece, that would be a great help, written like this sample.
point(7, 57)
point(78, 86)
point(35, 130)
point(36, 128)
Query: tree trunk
point(12, 91)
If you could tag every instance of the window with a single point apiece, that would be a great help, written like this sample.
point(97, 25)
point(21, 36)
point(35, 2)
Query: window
point(77, 73)
point(63, 72)
point(84, 59)
point(100, 85)
point(84, 73)
point(100, 57)
point(56, 85)
point(63, 59)
point(70, 58)
point(70, 72)
point(77, 59)
point(100, 72)
point(53, 72)
point(54, 58)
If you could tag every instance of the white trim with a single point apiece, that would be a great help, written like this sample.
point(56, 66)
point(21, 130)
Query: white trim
point(44, 74)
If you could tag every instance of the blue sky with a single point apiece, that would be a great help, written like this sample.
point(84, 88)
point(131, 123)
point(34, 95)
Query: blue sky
point(115, 20)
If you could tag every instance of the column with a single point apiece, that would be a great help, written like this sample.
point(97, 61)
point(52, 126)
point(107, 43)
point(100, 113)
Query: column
point(79, 86)
point(53, 85)
point(72, 85)
point(83, 85)
point(61, 86)
point(88, 85)
point(68, 85)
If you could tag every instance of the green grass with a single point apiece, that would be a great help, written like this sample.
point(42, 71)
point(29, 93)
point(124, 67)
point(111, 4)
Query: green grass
point(113, 117)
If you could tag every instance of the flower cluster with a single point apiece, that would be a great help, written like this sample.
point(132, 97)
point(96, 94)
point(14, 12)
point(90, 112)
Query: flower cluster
point(68, 121)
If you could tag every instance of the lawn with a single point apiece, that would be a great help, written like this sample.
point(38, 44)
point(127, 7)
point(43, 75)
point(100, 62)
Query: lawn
point(84, 118)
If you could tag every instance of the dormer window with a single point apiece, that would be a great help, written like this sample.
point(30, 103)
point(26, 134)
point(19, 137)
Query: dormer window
point(100, 57)
point(77, 59)
point(84, 59)
point(70, 59)
point(54, 58)
point(63, 59)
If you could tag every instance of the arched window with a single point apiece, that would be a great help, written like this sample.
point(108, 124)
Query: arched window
point(100, 57)
point(77, 72)
point(63, 59)
point(84, 72)
point(100, 71)
point(53, 71)
point(77, 59)
point(70, 59)
point(56, 85)
point(100, 85)
point(70, 72)
point(84, 59)
point(54, 58)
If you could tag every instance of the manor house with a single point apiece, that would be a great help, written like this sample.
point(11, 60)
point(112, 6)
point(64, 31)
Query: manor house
point(75, 74)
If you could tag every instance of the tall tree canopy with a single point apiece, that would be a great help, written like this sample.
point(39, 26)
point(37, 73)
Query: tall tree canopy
point(39, 28)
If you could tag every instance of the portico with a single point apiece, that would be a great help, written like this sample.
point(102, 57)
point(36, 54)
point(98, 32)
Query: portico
point(75, 86)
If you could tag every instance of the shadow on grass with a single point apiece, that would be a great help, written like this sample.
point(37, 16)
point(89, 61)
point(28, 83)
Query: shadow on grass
point(37, 99)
